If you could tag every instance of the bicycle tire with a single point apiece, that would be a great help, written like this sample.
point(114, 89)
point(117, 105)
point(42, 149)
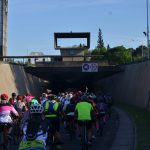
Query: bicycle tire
point(101, 127)
point(1, 140)
point(84, 139)
point(71, 131)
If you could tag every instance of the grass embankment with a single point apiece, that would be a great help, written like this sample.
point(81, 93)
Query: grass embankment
point(142, 121)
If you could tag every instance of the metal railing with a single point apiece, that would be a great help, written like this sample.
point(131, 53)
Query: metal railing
point(50, 58)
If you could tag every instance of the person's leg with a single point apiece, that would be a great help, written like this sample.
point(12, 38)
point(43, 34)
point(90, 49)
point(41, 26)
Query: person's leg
point(89, 130)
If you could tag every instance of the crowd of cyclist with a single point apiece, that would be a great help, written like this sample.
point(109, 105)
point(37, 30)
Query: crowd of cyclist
point(40, 117)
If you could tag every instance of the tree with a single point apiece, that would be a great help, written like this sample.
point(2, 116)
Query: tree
point(87, 52)
point(108, 47)
point(119, 55)
point(140, 53)
point(100, 43)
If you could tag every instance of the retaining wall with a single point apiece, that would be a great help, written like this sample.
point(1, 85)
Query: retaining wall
point(131, 86)
point(13, 78)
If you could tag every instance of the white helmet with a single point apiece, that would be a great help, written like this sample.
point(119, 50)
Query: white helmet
point(36, 108)
point(92, 96)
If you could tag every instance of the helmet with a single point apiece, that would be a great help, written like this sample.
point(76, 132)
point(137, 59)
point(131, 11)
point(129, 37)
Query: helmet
point(4, 97)
point(92, 96)
point(14, 94)
point(55, 97)
point(36, 108)
point(19, 97)
point(84, 97)
point(34, 101)
point(44, 95)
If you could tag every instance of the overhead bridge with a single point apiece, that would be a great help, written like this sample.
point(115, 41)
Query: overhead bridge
point(68, 74)
point(71, 74)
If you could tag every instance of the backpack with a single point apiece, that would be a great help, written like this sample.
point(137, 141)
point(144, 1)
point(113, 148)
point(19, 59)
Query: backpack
point(49, 107)
point(32, 130)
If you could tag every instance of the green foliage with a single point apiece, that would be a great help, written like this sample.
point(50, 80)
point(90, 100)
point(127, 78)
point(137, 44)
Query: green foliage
point(100, 42)
point(139, 53)
point(108, 47)
point(119, 55)
point(87, 52)
point(98, 51)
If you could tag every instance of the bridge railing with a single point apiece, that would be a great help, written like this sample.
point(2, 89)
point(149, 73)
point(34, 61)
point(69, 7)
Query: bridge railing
point(32, 60)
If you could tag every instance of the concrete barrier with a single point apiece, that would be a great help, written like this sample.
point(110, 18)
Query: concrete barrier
point(13, 78)
point(131, 86)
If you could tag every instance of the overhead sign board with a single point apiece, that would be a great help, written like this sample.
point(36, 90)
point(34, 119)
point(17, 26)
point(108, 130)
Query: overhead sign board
point(90, 67)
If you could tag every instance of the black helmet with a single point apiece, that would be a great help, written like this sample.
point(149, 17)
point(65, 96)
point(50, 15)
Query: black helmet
point(14, 94)
point(84, 98)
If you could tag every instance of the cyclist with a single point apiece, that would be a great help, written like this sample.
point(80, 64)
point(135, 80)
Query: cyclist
point(84, 112)
point(35, 130)
point(34, 101)
point(52, 111)
point(20, 105)
point(12, 100)
point(6, 112)
point(102, 109)
point(92, 99)
point(69, 112)
point(43, 98)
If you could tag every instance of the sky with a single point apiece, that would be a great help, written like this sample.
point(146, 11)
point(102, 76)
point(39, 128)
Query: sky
point(32, 23)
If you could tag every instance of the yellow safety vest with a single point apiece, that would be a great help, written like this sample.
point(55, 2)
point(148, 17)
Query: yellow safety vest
point(55, 107)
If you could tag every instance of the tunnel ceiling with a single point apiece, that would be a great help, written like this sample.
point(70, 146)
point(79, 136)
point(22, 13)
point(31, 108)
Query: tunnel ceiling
point(71, 76)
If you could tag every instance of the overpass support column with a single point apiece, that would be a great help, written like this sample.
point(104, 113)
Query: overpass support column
point(3, 27)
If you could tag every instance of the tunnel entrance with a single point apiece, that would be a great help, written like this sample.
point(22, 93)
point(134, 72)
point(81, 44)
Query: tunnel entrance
point(69, 85)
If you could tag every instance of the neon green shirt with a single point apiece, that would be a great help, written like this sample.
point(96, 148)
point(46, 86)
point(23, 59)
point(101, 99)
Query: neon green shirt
point(84, 110)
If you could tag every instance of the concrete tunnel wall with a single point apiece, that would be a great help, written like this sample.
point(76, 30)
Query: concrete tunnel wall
point(131, 86)
point(13, 78)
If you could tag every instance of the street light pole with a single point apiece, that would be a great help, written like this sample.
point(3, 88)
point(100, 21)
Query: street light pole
point(147, 30)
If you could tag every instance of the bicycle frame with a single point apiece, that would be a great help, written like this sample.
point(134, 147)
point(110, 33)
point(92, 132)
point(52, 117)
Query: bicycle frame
point(71, 125)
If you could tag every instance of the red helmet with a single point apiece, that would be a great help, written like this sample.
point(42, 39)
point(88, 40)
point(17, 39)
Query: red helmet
point(19, 97)
point(4, 97)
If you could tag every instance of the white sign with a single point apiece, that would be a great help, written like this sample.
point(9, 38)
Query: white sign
point(89, 67)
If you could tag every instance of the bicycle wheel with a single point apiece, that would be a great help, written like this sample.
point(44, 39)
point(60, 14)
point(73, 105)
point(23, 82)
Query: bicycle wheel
point(1, 140)
point(51, 143)
point(71, 130)
point(101, 126)
point(84, 139)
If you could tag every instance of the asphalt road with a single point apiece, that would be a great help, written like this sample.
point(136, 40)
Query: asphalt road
point(100, 143)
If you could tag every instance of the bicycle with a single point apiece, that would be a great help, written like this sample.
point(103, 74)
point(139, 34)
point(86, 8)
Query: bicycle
point(84, 138)
point(51, 141)
point(71, 125)
point(4, 137)
point(101, 117)
point(16, 132)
